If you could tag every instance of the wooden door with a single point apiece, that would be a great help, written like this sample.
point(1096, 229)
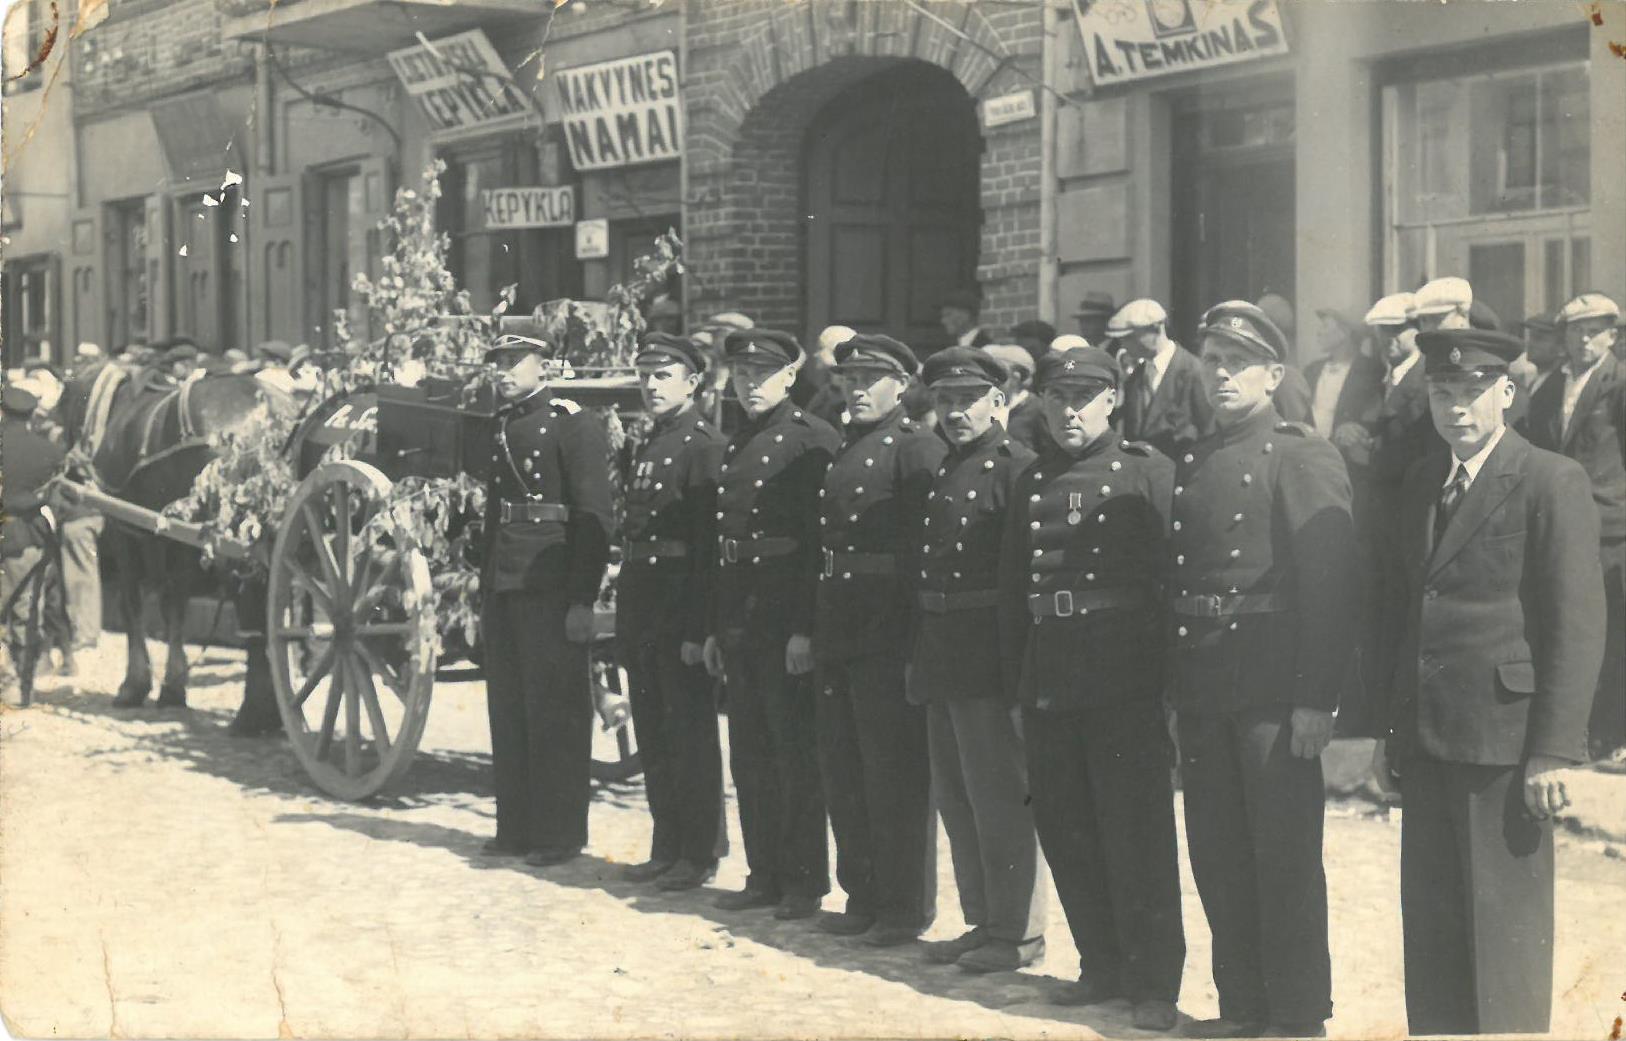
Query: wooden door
point(892, 204)
point(276, 258)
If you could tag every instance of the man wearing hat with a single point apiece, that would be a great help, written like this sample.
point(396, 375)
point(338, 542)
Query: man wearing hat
point(1022, 416)
point(764, 538)
point(815, 389)
point(974, 731)
point(872, 741)
point(1262, 587)
point(1164, 403)
point(1345, 382)
point(1033, 336)
point(1496, 672)
point(1543, 351)
point(1093, 314)
point(547, 541)
point(1581, 413)
point(1292, 397)
point(958, 316)
point(28, 461)
point(665, 315)
point(661, 617)
point(1442, 303)
point(1083, 629)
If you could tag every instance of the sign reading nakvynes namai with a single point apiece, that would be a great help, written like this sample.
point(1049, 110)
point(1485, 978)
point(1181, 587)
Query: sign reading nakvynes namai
point(617, 113)
point(1136, 39)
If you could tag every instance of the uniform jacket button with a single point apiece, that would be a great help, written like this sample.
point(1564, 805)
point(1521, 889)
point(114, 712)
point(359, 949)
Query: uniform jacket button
point(1034, 525)
point(1183, 630)
point(1176, 525)
point(1235, 554)
point(1116, 465)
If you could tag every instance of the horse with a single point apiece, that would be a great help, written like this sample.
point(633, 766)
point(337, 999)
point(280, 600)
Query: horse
point(143, 436)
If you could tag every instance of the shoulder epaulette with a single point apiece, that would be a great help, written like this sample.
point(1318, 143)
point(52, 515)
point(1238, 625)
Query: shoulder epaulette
point(565, 405)
point(1299, 429)
point(1137, 448)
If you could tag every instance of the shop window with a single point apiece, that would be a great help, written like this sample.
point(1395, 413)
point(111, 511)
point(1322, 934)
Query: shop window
point(30, 309)
point(131, 302)
point(1489, 177)
point(27, 26)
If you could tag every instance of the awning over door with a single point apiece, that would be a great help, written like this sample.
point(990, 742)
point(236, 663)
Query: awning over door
point(367, 26)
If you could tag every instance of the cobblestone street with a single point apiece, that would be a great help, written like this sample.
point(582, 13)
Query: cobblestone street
point(163, 879)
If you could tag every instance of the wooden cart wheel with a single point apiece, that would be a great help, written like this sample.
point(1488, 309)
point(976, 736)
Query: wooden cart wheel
point(350, 634)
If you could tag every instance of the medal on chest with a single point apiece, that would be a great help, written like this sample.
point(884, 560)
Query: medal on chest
point(1075, 508)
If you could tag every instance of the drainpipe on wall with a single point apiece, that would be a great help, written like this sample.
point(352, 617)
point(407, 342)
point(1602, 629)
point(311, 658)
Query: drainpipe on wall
point(1048, 267)
point(264, 162)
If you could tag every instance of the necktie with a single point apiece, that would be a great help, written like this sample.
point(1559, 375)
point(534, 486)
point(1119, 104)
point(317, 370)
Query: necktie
point(1143, 388)
point(1450, 497)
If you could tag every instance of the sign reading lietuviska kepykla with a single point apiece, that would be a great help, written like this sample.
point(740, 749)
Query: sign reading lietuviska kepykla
point(622, 112)
point(1137, 39)
point(459, 81)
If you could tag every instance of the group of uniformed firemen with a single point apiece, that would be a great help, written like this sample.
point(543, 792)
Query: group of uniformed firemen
point(913, 617)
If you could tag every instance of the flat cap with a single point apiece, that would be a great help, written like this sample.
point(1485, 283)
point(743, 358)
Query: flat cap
point(1480, 316)
point(1033, 329)
point(1012, 356)
point(18, 400)
point(1137, 314)
point(1278, 309)
point(277, 349)
point(871, 351)
point(1096, 303)
point(963, 367)
point(833, 336)
point(1442, 296)
point(1245, 325)
point(1587, 305)
point(965, 299)
point(657, 348)
point(1467, 350)
point(179, 352)
point(1077, 365)
point(1394, 309)
point(1540, 322)
point(766, 348)
point(731, 320)
point(1345, 321)
point(1067, 341)
point(511, 347)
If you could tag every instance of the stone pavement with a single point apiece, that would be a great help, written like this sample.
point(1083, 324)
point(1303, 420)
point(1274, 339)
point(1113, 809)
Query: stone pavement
point(158, 878)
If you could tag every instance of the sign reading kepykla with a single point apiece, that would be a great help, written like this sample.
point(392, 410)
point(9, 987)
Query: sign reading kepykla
point(459, 81)
point(622, 112)
point(1137, 39)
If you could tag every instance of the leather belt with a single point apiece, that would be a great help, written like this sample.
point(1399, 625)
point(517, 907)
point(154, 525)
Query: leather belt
point(655, 549)
point(1066, 603)
point(509, 511)
point(749, 551)
point(943, 603)
point(858, 563)
point(1218, 606)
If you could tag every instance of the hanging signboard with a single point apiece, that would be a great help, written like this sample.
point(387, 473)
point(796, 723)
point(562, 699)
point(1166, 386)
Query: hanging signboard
point(460, 81)
point(622, 112)
point(1128, 40)
point(592, 239)
point(529, 207)
point(1008, 108)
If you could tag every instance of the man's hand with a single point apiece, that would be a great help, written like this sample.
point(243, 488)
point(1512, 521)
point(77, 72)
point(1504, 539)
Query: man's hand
point(1352, 435)
point(711, 655)
point(1312, 729)
point(579, 623)
point(1544, 792)
point(1381, 773)
point(692, 653)
point(799, 655)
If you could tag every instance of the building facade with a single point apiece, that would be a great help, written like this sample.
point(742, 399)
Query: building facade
point(836, 162)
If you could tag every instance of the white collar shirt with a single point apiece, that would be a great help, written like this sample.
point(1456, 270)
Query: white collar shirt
point(1158, 363)
point(1474, 463)
point(1329, 384)
point(1573, 386)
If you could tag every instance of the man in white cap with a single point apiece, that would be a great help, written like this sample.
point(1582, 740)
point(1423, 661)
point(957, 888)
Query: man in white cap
point(1022, 416)
point(1443, 304)
point(814, 388)
point(1581, 413)
point(1164, 403)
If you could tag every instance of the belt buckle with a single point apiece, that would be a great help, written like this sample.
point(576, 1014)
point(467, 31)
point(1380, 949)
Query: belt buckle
point(731, 550)
point(1210, 604)
point(1063, 597)
point(829, 563)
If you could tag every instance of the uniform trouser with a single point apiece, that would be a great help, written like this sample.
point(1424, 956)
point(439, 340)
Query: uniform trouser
point(54, 624)
point(980, 782)
point(1476, 900)
point(674, 710)
point(1254, 817)
point(773, 753)
point(877, 785)
point(82, 578)
point(1607, 726)
point(541, 710)
point(1103, 799)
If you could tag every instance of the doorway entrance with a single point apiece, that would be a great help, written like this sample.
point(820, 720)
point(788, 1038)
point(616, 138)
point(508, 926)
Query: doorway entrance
point(893, 214)
point(1233, 212)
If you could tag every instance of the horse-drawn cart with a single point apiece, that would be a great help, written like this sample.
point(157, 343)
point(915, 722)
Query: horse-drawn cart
point(350, 607)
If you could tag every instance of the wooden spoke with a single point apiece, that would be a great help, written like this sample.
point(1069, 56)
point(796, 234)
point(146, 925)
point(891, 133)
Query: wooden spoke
point(362, 577)
point(352, 727)
point(324, 552)
point(308, 584)
point(330, 715)
point(323, 666)
point(369, 699)
point(395, 681)
point(341, 531)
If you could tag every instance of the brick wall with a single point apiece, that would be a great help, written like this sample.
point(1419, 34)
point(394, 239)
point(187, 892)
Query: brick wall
point(759, 71)
point(153, 48)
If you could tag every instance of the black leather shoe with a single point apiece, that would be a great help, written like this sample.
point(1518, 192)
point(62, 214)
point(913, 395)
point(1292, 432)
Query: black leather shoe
point(947, 952)
point(686, 874)
point(844, 923)
point(796, 906)
point(1090, 992)
point(499, 848)
point(648, 871)
point(1155, 1015)
point(892, 935)
point(746, 899)
point(548, 857)
point(1222, 1028)
point(1002, 955)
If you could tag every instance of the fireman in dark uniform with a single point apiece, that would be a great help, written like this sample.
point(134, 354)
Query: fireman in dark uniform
point(547, 541)
point(765, 540)
point(872, 741)
point(1083, 628)
point(661, 617)
point(1262, 594)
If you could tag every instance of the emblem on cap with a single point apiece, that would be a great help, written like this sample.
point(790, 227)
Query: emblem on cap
point(1456, 355)
point(1237, 323)
point(1069, 365)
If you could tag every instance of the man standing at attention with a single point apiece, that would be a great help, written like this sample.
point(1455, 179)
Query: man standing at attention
point(661, 617)
point(765, 540)
point(1262, 592)
point(1494, 678)
point(1084, 634)
point(547, 542)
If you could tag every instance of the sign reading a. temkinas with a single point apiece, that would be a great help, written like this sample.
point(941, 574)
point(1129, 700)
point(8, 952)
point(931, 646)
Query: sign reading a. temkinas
point(1137, 39)
point(622, 112)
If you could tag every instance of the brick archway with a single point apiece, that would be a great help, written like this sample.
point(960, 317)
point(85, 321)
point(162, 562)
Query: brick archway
point(761, 70)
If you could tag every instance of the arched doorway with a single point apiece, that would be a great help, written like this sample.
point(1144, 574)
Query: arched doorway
point(892, 208)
